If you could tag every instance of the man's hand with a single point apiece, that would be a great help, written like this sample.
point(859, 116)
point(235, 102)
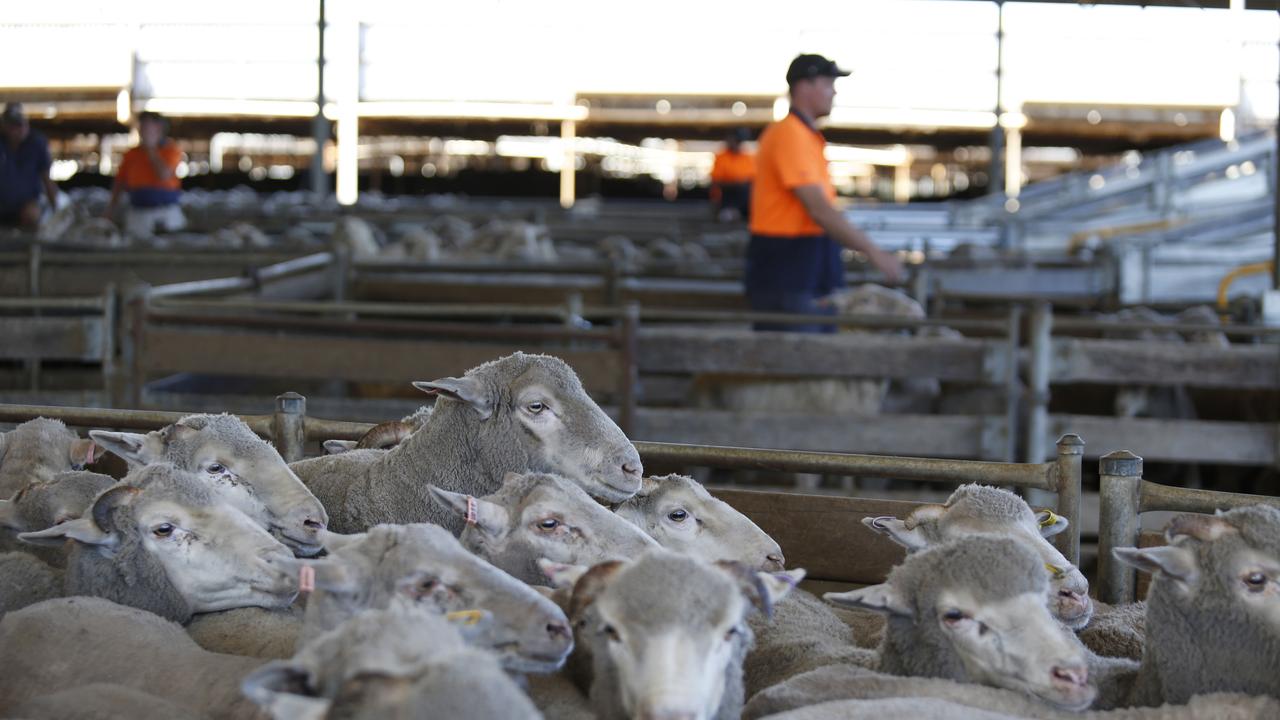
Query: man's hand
point(888, 264)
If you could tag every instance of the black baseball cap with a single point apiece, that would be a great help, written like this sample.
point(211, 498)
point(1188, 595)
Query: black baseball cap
point(13, 114)
point(812, 66)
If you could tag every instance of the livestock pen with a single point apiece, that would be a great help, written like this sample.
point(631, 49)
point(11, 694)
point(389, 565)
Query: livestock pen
point(814, 531)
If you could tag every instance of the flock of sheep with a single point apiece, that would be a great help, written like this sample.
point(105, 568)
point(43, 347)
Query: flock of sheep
point(508, 558)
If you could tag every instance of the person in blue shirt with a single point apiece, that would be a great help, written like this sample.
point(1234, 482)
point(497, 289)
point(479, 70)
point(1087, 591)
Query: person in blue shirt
point(24, 170)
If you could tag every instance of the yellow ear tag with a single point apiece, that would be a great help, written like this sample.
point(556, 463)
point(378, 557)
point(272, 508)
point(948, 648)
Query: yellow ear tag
point(1049, 518)
point(464, 617)
point(1055, 571)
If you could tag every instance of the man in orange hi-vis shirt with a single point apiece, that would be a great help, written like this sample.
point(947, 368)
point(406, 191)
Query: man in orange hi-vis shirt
point(731, 175)
point(793, 259)
point(149, 174)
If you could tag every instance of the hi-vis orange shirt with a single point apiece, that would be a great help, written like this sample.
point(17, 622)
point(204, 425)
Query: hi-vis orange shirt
point(733, 168)
point(137, 173)
point(790, 154)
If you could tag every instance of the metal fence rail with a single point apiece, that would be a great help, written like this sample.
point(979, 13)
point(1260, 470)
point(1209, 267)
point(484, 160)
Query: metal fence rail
point(290, 429)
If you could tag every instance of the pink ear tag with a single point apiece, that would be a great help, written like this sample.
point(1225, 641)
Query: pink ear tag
point(471, 510)
point(306, 579)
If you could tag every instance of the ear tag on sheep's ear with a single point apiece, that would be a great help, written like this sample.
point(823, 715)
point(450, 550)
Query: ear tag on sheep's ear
point(306, 579)
point(465, 617)
point(471, 511)
point(1055, 571)
point(1050, 518)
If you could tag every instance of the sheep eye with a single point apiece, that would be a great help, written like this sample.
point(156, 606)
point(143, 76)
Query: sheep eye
point(678, 515)
point(952, 617)
point(612, 633)
point(428, 584)
point(1256, 581)
point(535, 407)
point(216, 469)
point(548, 524)
point(731, 633)
point(163, 530)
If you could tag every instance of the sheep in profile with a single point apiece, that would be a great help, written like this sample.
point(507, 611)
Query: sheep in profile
point(401, 662)
point(985, 510)
point(162, 541)
point(1213, 611)
point(976, 611)
point(520, 413)
point(39, 449)
point(667, 633)
point(681, 515)
point(425, 565)
point(535, 516)
point(42, 504)
point(238, 465)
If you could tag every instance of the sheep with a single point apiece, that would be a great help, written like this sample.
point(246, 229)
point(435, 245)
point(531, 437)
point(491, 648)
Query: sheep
point(101, 701)
point(681, 515)
point(39, 449)
point(237, 464)
point(536, 516)
point(26, 580)
point(77, 641)
point(357, 237)
point(240, 236)
point(667, 633)
point(162, 541)
point(44, 503)
point(417, 243)
point(425, 564)
point(983, 509)
point(399, 662)
point(1213, 624)
point(520, 413)
point(1116, 630)
point(976, 610)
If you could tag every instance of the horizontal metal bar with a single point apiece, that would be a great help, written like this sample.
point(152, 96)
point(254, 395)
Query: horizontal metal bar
point(69, 303)
point(954, 472)
point(1092, 325)
point(124, 419)
point(295, 266)
point(1153, 497)
point(202, 287)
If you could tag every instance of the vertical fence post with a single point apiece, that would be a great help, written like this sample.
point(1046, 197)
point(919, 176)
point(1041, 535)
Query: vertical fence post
point(630, 341)
point(1011, 394)
point(1038, 381)
point(134, 334)
point(1070, 475)
point(110, 384)
point(288, 426)
point(1121, 478)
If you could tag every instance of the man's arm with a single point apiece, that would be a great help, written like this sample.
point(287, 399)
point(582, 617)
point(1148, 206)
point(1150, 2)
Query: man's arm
point(51, 192)
point(117, 186)
point(842, 231)
point(162, 169)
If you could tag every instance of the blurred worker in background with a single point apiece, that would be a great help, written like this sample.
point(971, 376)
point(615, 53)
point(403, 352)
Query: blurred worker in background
point(24, 170)
point(793, 258)
point(731, 177)
point(148, 173)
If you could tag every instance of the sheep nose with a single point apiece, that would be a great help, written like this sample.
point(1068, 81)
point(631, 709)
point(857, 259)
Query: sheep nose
point(1074, 675)
point(313, 526)
point(559, 630)
point(631, 467)
point(775, 561)
point(1070, 600)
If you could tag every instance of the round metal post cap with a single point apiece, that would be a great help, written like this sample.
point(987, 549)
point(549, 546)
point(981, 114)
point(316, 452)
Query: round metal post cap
point(291, 402)
point(1120, 462)
point(1070, 444)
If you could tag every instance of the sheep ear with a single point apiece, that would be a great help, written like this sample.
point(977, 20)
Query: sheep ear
point(84, 451)
point(491, 518)
point(335, 542)
point(590, 585)
point(896, 530)
point(337, 447)
point(1206, 528)
point(283, 690)
point(775, 586)
point(81, 530)
point(562, 575)
point(134, 448)
point(881, 598)
point(1050, 523)
point(464, 389)
point(1178, 563)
